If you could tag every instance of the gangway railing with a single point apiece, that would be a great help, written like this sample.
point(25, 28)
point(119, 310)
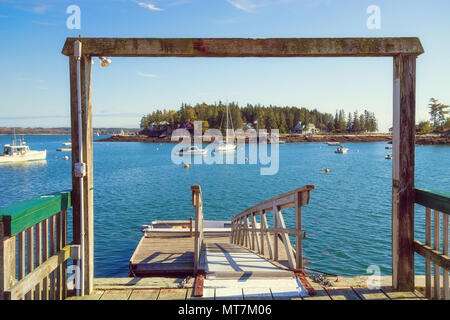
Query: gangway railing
point(245, 230)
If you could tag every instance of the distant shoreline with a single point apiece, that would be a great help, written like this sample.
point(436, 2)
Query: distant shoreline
point(292, 138)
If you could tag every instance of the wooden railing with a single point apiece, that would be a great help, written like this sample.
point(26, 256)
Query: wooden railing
point(197, 202)
point(33, 237)
point(431, 250)
point(244, 229)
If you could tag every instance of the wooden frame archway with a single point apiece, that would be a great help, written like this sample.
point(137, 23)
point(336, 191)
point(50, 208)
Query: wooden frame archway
point(404, 52)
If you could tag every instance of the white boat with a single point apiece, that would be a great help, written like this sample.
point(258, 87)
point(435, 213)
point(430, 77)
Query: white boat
point(333, 143)
point(68, 144)
point(64, 149)
point(341, 150)
point(388, 157)
point(21, 153)
point(191, 150)
point(226, 147)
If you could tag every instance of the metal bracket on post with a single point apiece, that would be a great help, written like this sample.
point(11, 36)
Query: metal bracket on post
point(79, 170)
point(75, 252)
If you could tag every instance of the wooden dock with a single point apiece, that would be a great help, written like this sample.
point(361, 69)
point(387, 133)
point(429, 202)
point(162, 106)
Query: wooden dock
point(163, 288)
point(166, 256)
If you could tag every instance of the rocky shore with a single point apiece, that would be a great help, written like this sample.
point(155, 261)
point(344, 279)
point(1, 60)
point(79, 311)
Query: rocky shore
point(293, 138)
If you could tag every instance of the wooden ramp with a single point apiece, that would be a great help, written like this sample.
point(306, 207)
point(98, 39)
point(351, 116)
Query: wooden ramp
point(231, 270)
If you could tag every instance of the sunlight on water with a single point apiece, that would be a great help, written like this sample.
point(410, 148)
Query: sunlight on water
point(348, 221)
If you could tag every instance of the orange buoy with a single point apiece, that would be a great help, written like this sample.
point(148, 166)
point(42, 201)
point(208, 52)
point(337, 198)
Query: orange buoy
point(186, 166)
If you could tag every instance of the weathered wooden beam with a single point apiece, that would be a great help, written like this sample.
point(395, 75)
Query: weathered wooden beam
point(403, 172)
point(245, 47)
point(88, 180)
point(434, 255)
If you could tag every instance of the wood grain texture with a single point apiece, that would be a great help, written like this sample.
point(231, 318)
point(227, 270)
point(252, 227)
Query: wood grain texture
point(403, 172)
point(240, 47)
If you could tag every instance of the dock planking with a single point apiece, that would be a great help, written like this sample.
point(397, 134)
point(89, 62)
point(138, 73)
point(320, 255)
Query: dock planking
point(166, 256)
point(138, 292)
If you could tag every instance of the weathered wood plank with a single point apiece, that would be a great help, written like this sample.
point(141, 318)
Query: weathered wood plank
point(342, 293)
point(285, 293)
point(403, 171)
point(95, 295)
point(370, 294)
point(400, 295)
point(116, 295)
point(239, 47)
point(140, 283)
point(144, 294)
point(172, 294)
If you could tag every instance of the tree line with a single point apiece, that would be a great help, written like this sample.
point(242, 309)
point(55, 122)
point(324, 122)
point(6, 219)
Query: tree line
point(264, 117)
point(439, 122)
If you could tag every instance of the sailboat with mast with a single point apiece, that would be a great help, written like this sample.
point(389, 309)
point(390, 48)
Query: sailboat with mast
point(226, 147)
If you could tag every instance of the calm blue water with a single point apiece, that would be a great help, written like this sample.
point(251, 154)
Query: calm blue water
point(348, 221)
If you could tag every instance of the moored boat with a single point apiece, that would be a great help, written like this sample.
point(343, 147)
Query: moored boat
point(191, 150)
point(21, 153)
point(341, 150)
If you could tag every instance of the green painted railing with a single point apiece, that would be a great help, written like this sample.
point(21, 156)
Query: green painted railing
point(20, 216)
point(435, 200)
point(33, 237)
point(435, 203)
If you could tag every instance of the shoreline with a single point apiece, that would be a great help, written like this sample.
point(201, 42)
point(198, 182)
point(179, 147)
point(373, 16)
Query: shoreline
point(291, 138)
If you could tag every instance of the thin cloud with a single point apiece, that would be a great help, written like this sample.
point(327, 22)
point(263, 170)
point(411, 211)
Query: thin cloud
point(244, 5)
point(147, 75)
point(40, 9)
point(251, 5)
point(3, 16)
point(149, 6)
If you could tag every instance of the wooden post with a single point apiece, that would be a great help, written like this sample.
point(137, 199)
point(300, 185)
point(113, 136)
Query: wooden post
point(403, 172)
point(298, 227)
point(7, 262)
point(275, 234)
point(88, 193)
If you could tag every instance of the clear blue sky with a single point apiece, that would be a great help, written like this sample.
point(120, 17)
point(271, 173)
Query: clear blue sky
point(34, 80)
